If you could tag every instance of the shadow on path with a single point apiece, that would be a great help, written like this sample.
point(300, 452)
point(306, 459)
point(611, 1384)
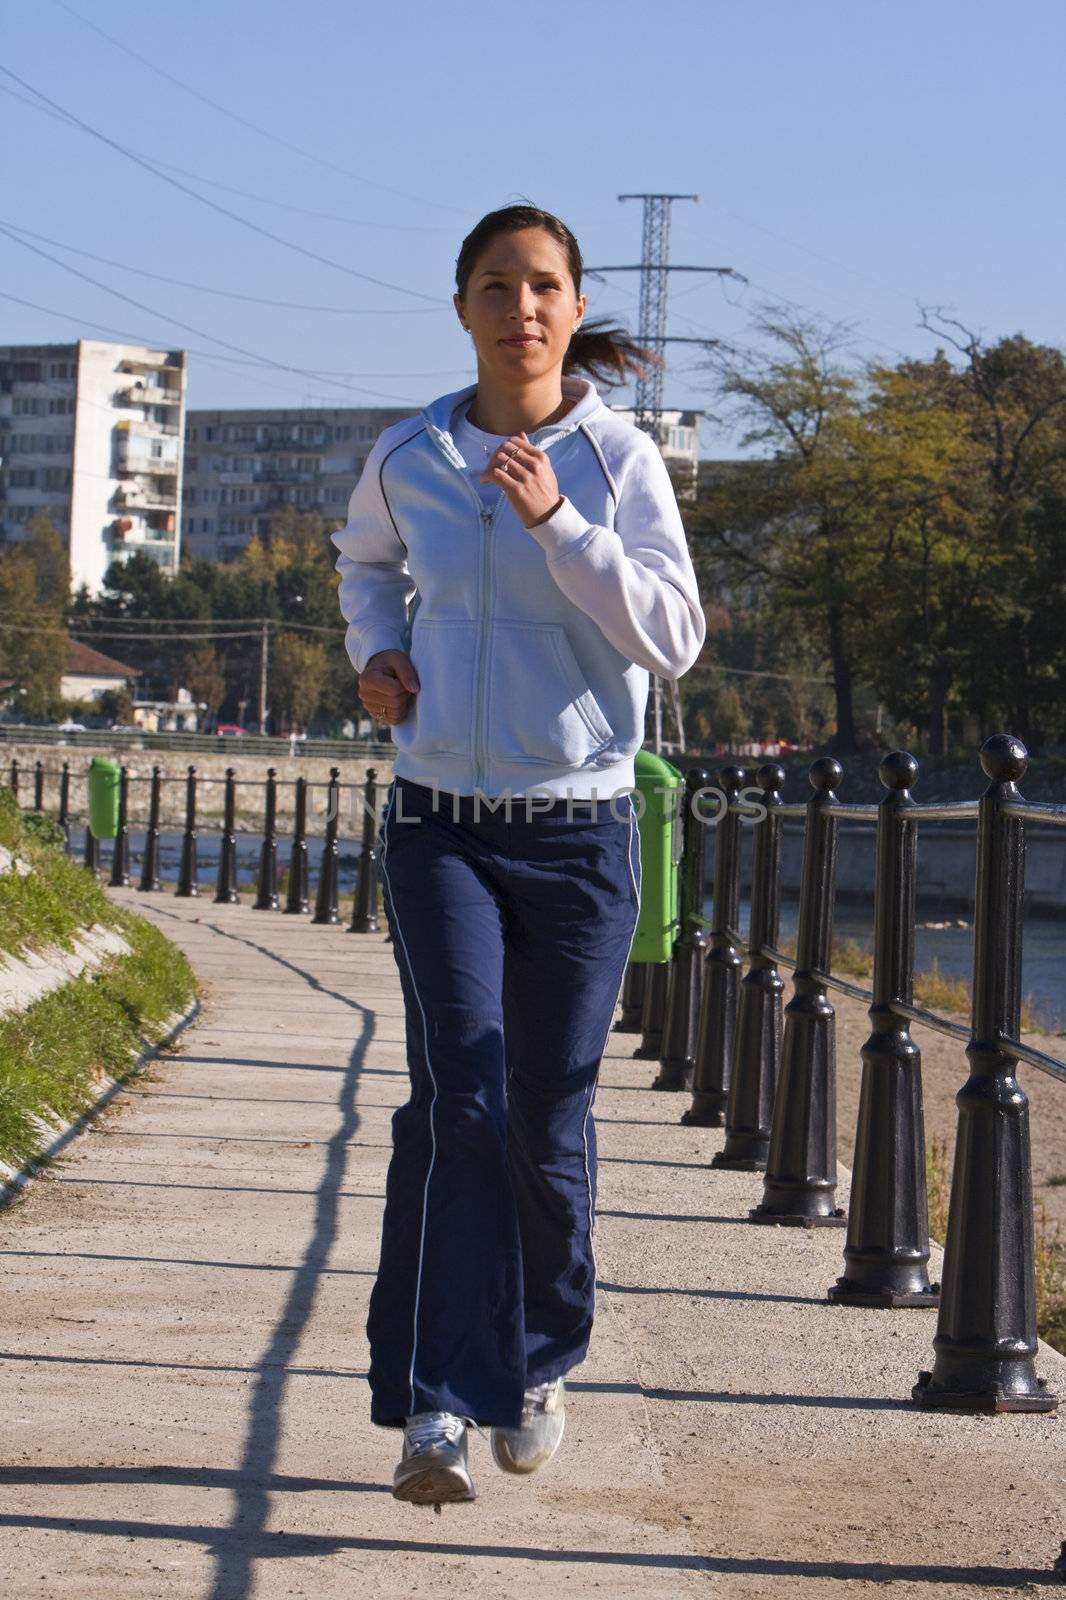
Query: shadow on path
point(235, 1553)
point(255, 1542)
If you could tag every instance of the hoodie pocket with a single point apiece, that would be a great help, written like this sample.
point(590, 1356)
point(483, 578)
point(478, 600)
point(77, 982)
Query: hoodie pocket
point(540, 706)
point(441, 717)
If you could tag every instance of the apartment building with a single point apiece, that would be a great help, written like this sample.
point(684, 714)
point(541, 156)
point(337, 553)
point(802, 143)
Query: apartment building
point(243, 466)
point(680, 445)
point(91, 435)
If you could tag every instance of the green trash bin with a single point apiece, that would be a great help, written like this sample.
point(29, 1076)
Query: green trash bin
point(104, 777)
point(662, 793)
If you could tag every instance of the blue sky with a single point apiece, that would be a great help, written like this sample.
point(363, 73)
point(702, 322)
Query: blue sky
point(854, 159)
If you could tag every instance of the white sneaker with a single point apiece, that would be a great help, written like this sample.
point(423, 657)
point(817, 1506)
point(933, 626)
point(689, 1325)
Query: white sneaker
point(433, 1467)
point(536, 1439)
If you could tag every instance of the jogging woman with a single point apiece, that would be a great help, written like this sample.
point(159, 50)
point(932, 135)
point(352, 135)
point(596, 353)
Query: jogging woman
point(541, 536)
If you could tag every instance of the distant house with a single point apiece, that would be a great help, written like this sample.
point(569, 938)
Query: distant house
point(88, 673)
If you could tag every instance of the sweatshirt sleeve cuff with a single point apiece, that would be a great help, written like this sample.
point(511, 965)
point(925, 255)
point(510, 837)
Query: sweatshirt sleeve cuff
point(563, 533)
point(371, 640)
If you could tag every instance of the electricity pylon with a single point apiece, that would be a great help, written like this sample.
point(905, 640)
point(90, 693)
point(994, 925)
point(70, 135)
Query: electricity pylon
point(654, 268)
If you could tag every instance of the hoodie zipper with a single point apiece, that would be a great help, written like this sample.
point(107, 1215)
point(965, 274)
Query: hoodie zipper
point(487, 522)
point(488, 547)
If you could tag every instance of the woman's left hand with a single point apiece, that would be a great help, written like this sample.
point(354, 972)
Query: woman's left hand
point(525, 475)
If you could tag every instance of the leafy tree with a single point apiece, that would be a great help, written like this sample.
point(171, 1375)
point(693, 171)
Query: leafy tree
point(33, 643)
point(204, 678)
point(46, 551)
point(299, 670)
point(793, 533)
point(117, 705)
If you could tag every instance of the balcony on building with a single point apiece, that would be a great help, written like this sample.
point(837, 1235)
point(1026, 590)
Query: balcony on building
point(145, 451)
point(137, 364)
point(147, 394)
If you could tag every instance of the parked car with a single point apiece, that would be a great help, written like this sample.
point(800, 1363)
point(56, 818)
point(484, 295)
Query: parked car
point(230, 730)
point(71, 727)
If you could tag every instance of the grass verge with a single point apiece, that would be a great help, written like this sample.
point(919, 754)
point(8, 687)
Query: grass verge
point(54, 1054)
point(1050, 1257)
point(50, 904)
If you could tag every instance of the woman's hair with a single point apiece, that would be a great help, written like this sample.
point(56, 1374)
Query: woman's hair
point(606, 352)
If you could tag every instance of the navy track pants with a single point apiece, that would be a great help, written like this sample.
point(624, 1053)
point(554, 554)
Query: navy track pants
point(512, 937)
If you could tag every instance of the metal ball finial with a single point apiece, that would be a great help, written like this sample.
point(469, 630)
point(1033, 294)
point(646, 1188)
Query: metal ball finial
point(1004, 758)
point(826, 774)
point(899, 770)
point(771, 778)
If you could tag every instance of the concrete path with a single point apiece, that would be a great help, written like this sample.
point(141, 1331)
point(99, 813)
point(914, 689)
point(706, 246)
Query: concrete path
point(182, 1358)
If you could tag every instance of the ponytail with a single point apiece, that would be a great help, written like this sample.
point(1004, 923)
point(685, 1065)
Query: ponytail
point(609, 354)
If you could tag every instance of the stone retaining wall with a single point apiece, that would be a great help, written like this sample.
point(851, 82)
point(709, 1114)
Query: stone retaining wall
point(251, 774)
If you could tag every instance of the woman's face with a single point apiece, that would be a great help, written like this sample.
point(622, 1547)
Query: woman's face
point(521, 305)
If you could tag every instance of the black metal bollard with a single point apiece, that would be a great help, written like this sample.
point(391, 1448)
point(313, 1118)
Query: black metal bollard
point(266, 893)
point(986, 1336)
point(150, 866)
point(226, 890)
point(296, 895)
point(326, 898)
point(365, 904)
point(38, 786)
point(64, 805)
point(757, 1050)
point(188, 872)
point(633, 985)
point(653, 1013)
point(91, 857)
point(721, 972)
point(801, 1167)
point(886, 1258)
point(684, 986)
point(13, 781)
point(120, 850)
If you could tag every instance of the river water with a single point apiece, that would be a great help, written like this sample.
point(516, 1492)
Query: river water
point(947, 942)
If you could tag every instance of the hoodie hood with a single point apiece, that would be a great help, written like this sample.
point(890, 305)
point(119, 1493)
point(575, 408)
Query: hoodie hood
point(437, 416)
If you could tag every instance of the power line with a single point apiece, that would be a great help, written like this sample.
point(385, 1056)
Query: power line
point(213, 623)
point(212, 357)
point(213, 205)
point(265, 133)
point(75, 629)
point(749, 672)
point(249, 194)
point(817, 255)
point(229, 294)
point(188, 327)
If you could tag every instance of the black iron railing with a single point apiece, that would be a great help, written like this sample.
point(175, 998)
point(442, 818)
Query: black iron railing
point(257, 797)
point(769, 1076)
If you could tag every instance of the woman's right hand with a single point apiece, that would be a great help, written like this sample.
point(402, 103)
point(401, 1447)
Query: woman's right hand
point(388, 685)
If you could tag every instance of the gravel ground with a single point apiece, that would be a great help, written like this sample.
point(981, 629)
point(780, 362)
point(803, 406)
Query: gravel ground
point(183, 1359)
